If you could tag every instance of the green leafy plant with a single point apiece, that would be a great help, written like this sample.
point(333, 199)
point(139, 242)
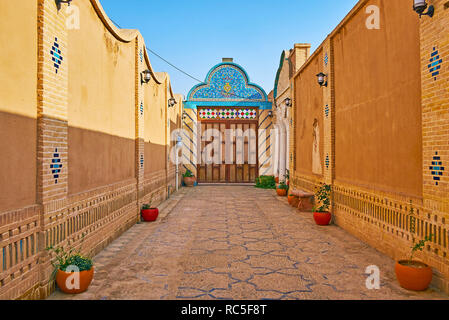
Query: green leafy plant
point(63, 258)
point(419, 246)
point(323, 196)
point(282, 186)
point(266, 182)
point(147, 206)
point(188, 174)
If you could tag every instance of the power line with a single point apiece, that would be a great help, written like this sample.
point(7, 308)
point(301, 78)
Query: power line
point(179, 69)
point(165, 60)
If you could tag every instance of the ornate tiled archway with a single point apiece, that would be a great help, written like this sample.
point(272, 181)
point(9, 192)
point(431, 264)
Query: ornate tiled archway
point(227, 102)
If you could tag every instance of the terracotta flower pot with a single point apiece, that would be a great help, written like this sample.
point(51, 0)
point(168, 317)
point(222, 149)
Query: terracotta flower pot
point(281, 192)
point(189, 181)
point(276, 179)
point(85, 278)
point(322, 218)
point(150, 215)
point(415, 276)
point(293, 201)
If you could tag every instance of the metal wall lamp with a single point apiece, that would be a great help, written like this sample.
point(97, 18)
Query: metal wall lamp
point(59, 2)
point(171, 102)
point(420, 6)
point(145, 76)
point(322, 79)
point(288, 102)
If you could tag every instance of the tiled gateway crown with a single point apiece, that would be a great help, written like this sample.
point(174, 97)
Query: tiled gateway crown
point(229, 82)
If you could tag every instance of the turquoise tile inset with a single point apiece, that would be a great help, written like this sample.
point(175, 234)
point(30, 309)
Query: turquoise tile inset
point(437, 168)
point(56, 55)
point(56, 165)
point(435, 63)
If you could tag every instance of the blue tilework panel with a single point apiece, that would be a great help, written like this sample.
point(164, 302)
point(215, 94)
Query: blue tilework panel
point(227, 82)
point(437, 169)
point(56, 55)
point(435, 63)
point(56, 165)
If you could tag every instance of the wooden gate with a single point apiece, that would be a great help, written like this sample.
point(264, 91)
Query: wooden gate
point(227, 150)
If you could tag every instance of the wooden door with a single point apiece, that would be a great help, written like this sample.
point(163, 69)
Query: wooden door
point(229, 153)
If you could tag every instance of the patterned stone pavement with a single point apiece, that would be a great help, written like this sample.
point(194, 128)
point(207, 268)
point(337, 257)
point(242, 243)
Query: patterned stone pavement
point(222, 242)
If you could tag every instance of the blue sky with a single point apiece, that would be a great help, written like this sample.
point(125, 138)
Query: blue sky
point(194, 35)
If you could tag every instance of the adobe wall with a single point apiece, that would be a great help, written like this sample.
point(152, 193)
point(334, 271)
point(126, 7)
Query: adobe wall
point(385, 115)
point(76, 127)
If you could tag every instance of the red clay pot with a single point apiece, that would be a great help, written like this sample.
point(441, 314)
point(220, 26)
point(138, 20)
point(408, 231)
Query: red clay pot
point(416, 276)
point(322, 218)
point(276, 179)
point(281, 192)
point(85, 278)
point(150, 215)
point(189, 181)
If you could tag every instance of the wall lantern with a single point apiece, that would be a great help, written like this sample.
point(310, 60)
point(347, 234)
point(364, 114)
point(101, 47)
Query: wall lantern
point(171, 102)
point(184, 115)
point(288, 102)
point(270, 114)
point(322, 79)
point(420, 6)
point(59, 2)
point(145, 76)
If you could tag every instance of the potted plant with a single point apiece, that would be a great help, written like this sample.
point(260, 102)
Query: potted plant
point(411, 274)
point(414, 275)
point(72, 270)
point(321, 214)
point(189, 178)
point(266, 182)
point(282, 189)
point(287, 177)
point(149, 213)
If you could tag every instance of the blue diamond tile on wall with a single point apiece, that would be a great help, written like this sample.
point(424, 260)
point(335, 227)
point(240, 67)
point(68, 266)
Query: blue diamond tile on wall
point(141, 108)
point(141, 55)
point(327, 110)
point(328, 162)
point(435, 63)
point(56, 54)
point(326, 59)
point(141, 161)
point(437, 169)
point(56, 165)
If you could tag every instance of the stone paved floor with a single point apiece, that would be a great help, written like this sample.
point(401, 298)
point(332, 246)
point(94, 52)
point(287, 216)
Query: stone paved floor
point(221, 242)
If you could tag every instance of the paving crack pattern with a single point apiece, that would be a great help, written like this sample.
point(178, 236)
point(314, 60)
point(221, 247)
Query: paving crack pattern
point(234, 243)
